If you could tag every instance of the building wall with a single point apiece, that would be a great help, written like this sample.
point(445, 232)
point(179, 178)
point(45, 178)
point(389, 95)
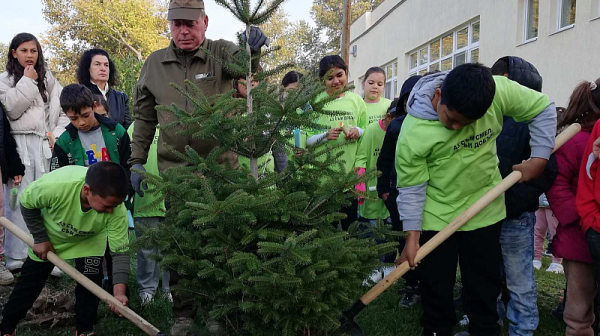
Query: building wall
point(563, 58)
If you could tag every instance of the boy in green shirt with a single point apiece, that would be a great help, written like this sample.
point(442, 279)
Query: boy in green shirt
point(446, 160)
point(73, 212)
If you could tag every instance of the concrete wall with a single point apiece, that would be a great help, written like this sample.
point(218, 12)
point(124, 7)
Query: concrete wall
point(564, 58)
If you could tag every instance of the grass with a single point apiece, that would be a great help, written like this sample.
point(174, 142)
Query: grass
point(382, 318)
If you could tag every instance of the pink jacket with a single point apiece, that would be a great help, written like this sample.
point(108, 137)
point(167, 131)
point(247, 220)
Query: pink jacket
point(569, 242)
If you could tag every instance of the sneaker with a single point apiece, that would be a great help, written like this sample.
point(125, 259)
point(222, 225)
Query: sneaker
point(14, 265)
point(464, 321)
point(146, 298)
point(555, 268)
point(411, 297)
point(182, 327)
point(214, 328)
point(462, 333)
point(6, 278)
point(56, 272)
point(168, 296)
point(87, 333)
point(537, 264)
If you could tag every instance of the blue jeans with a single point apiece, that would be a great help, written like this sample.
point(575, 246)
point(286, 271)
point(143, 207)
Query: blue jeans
point(516, 241)
point(148, 272)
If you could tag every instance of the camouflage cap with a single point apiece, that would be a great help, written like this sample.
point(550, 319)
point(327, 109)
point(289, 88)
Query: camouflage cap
point(185, 9)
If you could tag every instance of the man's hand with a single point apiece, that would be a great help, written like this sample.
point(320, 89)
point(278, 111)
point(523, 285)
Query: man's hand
point(137, 179)
point(30, 72)
point(410, 249)
point(257, 39)
point(334, 133)
point(119, 290)
point(531, 169)
point(41, 250)
point(596, 148)
point(17, 180)
point(353, 134)
point(385, 196)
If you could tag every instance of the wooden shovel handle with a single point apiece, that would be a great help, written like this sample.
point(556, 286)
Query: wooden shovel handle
point(461, 220)
point(84, 281)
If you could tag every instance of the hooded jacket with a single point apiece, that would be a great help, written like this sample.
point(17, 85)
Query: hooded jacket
point(10, 162)
point(443, 172)
point(386, 182)
point(588, 188)
point(513, 147)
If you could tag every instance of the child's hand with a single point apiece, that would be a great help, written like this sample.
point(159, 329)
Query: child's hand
point(51, 139)
point(30, 72)
point(531, 169)
point(385, 196)
point(17, 180)
point(334, 133)
point(596, 148)
point(410, 249)
point(41, 250)
point(353, 134)
point(119, 290)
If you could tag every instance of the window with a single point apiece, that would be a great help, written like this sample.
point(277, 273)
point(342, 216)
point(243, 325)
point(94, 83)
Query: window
point(532, 11)
point(447, 52)
point(566, 13)
point(391, 79)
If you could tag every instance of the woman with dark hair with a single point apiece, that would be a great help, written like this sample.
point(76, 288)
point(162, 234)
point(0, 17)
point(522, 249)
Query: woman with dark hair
point(31, 99)
point(97, 71)
point(342, 129)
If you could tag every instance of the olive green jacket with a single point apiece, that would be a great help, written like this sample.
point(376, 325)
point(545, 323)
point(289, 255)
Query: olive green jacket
point(171, 65)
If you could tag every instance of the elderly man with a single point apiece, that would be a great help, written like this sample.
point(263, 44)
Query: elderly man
point(182, 59)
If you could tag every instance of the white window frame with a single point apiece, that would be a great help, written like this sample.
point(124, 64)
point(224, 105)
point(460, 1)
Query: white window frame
point(559, 17)
point(526, 22)
point(468, 49)
point(393, 80)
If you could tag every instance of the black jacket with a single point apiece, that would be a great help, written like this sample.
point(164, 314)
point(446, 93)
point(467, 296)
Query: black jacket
point(513, 147)
point(10, 161)
point(386, 162)
point(118, 105)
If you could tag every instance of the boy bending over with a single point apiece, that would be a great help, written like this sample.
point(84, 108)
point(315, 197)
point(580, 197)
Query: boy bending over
point(73, 212)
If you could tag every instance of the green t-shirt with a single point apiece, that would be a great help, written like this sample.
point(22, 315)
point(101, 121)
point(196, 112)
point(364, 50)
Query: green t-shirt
point(461, 166)
point(366, 157)
point(377, 111)
point(355, 116)
point(73, 232)
point(151, 166)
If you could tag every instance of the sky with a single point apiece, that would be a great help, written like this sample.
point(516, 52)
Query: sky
point(14, 19)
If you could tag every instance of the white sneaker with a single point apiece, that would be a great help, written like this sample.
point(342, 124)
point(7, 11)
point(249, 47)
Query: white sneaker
point(146, 298)
point(555, 268)
point(168, 296)
point(387, 270)
point(6, 278)
point(537, 264)
point(56, 272)
point(14, 264)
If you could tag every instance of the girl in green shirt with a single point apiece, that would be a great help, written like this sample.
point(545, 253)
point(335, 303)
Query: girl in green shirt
point(373, 86)
point(352, 122)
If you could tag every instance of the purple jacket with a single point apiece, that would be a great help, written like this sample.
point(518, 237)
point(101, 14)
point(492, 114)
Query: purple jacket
point(569, 242)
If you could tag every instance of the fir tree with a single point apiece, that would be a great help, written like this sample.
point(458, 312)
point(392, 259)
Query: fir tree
point(258, 250)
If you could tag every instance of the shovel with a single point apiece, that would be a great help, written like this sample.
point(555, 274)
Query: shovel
point(85, 282)
point(349, 327)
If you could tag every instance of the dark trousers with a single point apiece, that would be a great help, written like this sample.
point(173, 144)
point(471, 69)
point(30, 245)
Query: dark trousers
point(109, 270)
point(351, 212)
point(479, 256)
point(183, 306)
point(31, 282)
point(410, 277)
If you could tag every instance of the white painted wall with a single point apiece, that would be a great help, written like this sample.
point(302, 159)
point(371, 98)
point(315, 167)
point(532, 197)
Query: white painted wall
point(563, 58)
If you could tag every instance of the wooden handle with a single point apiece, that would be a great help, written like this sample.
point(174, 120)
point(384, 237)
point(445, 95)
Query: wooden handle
point(84, 281)
point(461, 220)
